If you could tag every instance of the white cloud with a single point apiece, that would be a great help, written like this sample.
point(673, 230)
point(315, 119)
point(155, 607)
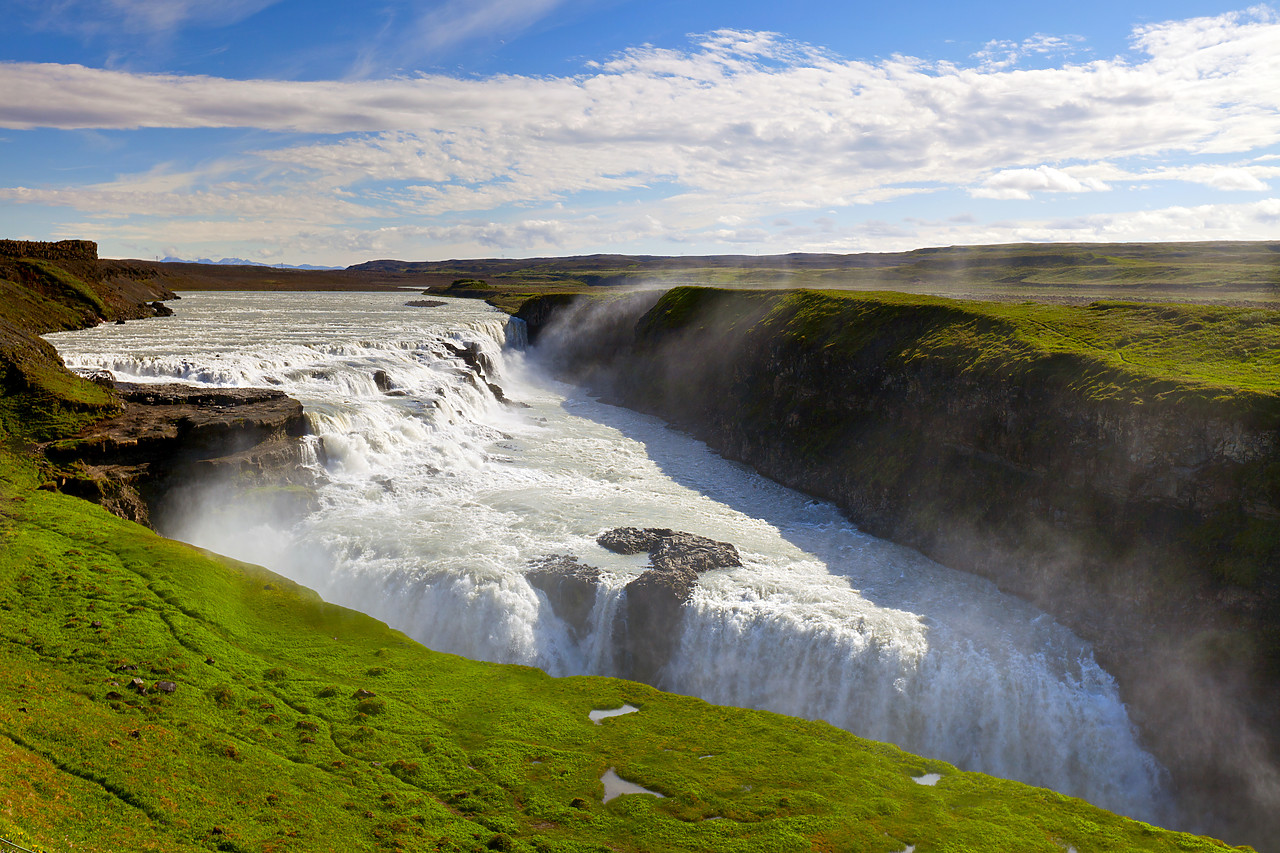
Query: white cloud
point(1020, 183)
point(742, 126)
point(229, 199)
point(1243, 178)
point(1251, 221)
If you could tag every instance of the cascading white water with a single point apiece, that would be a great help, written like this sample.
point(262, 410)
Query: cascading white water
point(435, 499)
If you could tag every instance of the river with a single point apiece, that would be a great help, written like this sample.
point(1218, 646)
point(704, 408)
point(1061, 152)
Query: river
point(434, 499)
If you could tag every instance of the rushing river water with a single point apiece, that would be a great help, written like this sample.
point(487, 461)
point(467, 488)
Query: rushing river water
point(434, 501)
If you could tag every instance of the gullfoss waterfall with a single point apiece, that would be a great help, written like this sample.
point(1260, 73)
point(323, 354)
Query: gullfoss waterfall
point(449, 463)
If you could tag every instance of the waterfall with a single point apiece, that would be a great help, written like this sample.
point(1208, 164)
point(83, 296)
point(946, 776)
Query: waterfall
point(448, 463)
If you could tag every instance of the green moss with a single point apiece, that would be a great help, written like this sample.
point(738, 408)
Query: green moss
point(1133, 353)
point(469, 284)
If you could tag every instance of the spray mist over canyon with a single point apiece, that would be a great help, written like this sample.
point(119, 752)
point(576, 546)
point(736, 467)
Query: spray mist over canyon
point(448, 461)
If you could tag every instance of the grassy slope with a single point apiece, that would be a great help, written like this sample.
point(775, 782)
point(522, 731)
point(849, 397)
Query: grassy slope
point(266, 746)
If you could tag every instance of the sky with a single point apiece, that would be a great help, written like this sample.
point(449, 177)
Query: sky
point(327, 132)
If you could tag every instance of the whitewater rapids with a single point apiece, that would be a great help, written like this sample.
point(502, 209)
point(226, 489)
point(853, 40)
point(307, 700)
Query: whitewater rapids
point(434, 499)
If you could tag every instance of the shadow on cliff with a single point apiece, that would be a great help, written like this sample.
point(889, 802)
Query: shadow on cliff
point(1185, 689)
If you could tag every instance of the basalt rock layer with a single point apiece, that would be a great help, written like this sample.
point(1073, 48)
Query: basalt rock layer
point(649, 623)
point(69, 274)
point(1140, 510)
point(168, 435)
point(647, 632)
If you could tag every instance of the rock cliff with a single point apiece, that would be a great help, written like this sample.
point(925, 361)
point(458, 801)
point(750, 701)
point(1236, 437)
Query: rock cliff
point(132, 445)
point(169, 435)
point(1141, 513)
point(69, 272)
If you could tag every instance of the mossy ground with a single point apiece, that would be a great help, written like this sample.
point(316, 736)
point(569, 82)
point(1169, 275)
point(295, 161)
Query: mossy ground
point(1130, 352)
point(298, 725)
point(268, 744)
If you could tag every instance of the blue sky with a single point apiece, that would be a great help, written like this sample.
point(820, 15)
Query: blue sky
point(332, 133)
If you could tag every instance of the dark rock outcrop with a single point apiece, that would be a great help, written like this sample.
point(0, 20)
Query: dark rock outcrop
point(63, 252)
point(73, 275)
point(628, 540)
point(670, 550)
point(481, 367)
point(647, 633)
point(473, 357)
point(648, 625)
point(169, 434)
point(570, 586)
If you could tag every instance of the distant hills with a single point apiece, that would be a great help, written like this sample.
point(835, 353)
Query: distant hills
point(241, 262)
point(1223, 272)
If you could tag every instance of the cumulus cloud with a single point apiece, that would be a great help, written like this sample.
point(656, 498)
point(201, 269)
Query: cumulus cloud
point(1020, 183)
point(741, 124)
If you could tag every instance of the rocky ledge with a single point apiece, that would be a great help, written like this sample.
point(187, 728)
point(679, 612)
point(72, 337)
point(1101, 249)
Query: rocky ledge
point(167, 435)
point(649, 622)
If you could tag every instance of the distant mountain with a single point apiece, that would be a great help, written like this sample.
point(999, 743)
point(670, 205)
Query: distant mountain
point(241, 262)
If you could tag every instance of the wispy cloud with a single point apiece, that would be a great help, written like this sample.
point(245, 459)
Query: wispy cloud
point(424, 36)
point(1099, 177)
point(463, 20)
point(150, 17)
point(1001, 54)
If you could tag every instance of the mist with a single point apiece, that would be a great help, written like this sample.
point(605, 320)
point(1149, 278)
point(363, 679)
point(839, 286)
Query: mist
point(716, 372)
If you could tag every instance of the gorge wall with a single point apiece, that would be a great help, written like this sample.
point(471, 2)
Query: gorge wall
point(1140, 513)
point(127, 448)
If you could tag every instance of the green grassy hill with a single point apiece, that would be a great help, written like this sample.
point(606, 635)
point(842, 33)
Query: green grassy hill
point(296, 725)
point(1127, 351)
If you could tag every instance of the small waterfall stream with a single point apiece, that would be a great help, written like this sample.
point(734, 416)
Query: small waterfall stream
point(436, 495)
